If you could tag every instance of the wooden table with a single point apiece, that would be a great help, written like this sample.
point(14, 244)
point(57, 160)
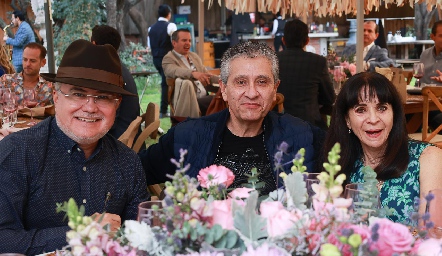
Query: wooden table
point(414, 108)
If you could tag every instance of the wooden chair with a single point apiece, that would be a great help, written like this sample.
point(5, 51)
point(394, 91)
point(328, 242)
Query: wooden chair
point(408, 75)
point(279, 102)
point(151, 121)
point(430, 93)
point(129, 135)
point(156, 191)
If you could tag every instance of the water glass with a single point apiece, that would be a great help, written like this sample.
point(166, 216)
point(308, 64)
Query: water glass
point(310, 179)
point(434, 208)
point(148, 215)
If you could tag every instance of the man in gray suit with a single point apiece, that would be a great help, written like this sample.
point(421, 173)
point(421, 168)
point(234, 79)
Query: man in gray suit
point(374, 56)
point(190, 98)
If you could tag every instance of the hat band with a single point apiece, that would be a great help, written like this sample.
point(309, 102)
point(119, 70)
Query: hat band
point(91, 74)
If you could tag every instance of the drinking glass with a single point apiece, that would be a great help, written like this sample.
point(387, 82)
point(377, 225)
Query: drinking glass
point(418, 72)
point(30, 101)
point(360, 201)
point(9, 107)
point(434, 208)
point(338, 73)
point(310, 179)
point(148, 215)
point(2, 91)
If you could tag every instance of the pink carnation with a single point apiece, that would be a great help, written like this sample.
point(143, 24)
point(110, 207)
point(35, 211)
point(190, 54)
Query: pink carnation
point(214, 175)
point(240, 193)
point(352, 69)
point(393, 238)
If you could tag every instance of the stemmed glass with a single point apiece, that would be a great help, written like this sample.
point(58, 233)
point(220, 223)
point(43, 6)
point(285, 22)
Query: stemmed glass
point(2, 91)
point(434, 208)
point(147, 213)
point(310, 179)
point(9, 108)
point(30, 101)
point(338, 74)
point(360, 203)
point(418, 72)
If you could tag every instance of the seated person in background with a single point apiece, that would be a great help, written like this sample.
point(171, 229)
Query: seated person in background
point(245, 135)
point(129, 108)
point(305, 80)
point(374, 56)
point(368, 121)
point(432, 59)
point(70, 156)
point(34, 58)
point(6, 66)
point(190, 97)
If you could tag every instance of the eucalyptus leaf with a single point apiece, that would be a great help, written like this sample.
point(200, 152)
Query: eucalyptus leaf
point(231, 239)
point(209, 237)
point(217, 232)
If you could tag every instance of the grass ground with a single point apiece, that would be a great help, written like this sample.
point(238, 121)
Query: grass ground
point(151, 94)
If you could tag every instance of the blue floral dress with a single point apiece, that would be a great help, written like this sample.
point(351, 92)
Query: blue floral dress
point(398, 194)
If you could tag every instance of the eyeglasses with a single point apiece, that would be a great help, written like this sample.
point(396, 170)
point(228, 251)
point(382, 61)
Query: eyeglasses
point(103, 100)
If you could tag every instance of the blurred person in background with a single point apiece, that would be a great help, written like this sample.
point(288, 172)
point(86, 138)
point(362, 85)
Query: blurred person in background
point(5, 64)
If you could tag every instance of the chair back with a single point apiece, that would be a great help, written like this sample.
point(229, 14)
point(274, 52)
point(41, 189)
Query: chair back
point(129, 135)
point(430, 93)
point(171, 90)
point(279, 102)
point(151, 121)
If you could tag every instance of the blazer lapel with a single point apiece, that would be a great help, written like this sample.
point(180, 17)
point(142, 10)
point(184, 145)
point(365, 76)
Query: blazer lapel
point(370, 53)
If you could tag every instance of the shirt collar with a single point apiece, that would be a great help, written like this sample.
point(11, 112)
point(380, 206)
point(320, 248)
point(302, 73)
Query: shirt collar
point(368, 47)
point(162, 19)
point(67, 142)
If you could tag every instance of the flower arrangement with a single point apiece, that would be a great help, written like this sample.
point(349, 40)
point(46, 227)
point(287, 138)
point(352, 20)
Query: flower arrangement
point(216, 220)
point(348, 66)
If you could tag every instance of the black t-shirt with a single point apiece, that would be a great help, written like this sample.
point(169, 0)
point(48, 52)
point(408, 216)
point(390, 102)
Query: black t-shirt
point(241, 154)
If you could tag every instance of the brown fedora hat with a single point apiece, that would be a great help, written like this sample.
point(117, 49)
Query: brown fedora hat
point(92, 66)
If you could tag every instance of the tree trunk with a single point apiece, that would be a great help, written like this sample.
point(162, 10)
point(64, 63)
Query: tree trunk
point(119, 23)
point(111, 9)
point(140, 23)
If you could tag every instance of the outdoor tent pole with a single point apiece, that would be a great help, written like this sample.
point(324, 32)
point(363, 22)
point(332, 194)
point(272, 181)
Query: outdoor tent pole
point(359, 36)
point(49, 36)
point(200, 49)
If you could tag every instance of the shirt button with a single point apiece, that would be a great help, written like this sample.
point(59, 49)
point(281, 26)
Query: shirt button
point(84, 201)
point(69, 151)
point(78, 149)
point(84, 168)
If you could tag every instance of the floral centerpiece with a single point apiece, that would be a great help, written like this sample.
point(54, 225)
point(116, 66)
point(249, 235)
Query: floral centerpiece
point(347, 63)
point(217, 221)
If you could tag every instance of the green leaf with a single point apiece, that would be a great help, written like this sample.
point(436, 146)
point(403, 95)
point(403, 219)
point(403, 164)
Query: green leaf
point(248, 222)
point(217, 232)
point(221, 243)
point(209, 237)
point(231, 239)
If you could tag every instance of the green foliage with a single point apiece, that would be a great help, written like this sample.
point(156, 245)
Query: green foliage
point(136, 58)
point(77, 18)
point(248, 222)
point(253, 180)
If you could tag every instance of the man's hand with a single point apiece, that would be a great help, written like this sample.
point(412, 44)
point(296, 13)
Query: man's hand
point(4, 132)
point(113, 220)
point(204, 78)
point(437, 78)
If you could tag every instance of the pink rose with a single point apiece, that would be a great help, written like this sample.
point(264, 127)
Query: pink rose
point(214, 175)
point(222, 213)
point(393, 238)
point(352, 69)
point(279, 220)
point(431, 246)
point(240, 193)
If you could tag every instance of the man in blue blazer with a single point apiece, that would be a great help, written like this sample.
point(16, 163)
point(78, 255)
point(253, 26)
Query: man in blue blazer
point(374, 56)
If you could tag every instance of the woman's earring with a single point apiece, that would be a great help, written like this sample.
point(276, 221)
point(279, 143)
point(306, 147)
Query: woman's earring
point(349, 131)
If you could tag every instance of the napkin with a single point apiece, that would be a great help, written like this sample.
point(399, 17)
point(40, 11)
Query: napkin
point(48, 110)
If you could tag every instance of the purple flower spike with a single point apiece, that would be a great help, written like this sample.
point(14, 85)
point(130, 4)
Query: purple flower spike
point(429, 197)
point(283, 147)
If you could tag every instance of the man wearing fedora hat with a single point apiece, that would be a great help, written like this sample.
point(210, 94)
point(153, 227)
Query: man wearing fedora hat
point(70, 156)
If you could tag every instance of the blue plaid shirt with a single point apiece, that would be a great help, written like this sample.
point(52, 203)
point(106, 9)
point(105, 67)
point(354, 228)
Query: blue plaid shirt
point(24, 36)
point(41, 166)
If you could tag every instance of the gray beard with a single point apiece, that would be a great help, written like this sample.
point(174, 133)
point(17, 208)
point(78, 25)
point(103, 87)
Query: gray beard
point(77, 139)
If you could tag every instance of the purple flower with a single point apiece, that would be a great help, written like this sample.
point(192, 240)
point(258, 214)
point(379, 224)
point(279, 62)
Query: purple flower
point(283, 147)
point(426, 216)
point(429, 197)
